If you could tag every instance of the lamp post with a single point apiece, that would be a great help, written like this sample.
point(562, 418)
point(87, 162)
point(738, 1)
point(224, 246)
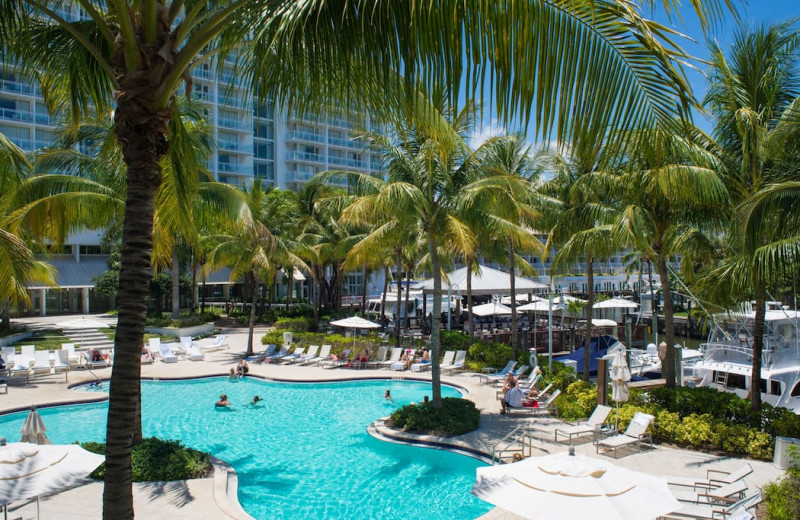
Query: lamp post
point(449, 301)
point(550, 329)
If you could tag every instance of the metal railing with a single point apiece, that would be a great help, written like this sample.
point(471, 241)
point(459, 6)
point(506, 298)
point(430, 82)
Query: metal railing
point(519, 440)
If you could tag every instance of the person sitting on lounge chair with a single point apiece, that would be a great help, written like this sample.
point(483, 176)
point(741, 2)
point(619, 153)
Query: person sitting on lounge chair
point(513, 398)
point(242, 368)
point(147, 356)
point(97, 356)
point(510, 377)
point(223, 401)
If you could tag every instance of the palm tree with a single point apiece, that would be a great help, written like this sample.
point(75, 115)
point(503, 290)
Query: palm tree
point(670, 197)
point(133, 57)
point(753, 95)
point(505, 195)
point(250, 248)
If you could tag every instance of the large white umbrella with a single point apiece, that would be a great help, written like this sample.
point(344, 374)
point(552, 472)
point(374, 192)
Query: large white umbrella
point(615, 303)
point(354, 322)
point(491, 309)
point(565, 485)
point(33, 429)
point(540, 306)
point(28, 470)
point(620, 375)
point(82, 324)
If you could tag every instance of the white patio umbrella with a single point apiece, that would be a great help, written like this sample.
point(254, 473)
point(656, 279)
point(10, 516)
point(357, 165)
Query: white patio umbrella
point(491, 309)
point(540, 306)
point(355, 323)
point(33, 429)
point(28, 470)
point(620, 375)
point(81, 324)
point(615, 303)
point(565, 485)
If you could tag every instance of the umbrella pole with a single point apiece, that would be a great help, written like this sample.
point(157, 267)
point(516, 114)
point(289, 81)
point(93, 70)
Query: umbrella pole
point(37, 507)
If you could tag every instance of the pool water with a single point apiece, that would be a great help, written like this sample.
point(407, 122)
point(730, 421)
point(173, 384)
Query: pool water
point(303, 452)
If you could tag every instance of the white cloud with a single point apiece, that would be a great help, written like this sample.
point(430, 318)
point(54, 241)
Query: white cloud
point(484, 132)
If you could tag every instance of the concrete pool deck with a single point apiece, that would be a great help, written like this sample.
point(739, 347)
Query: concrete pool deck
point(209, 498)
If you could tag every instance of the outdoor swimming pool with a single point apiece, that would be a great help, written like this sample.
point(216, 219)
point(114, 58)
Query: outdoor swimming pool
point(304, 453)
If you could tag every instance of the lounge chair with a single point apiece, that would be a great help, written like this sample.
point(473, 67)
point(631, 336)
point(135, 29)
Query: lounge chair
point(487, 378)
point(100, 363)
point(194, 353)
point(394, 357)
point(167, 356)
point(633, 435)
point(275, 357)
point(8, 355)
point(339, 361)
point(380, 357)
point(294, 356)
point(447, 359)
point(260, 357)
point(324, 355)
point(186, 344)
point(62, 362)
point(458, 364)
point(28, 350)
point(725, 495)
point(714, 478)
point(21, 367)
point(741, 509)
point(517, 374)
point(219, 343)
point(41, 362)
point(310, 354)
point(595, 421)
point(74, 358)
point(539, 407)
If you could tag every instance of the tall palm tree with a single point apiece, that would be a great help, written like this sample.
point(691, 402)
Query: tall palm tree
point(251, 249)
point(133, 58)
point(754, 95)
point(506, 194)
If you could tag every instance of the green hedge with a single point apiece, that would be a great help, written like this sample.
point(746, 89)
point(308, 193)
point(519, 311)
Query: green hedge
point(164, 319)
point(157, 460)
point(782, 498)
point(456, 416)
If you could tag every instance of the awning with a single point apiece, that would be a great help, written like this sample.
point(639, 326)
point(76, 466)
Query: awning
point(71, 274)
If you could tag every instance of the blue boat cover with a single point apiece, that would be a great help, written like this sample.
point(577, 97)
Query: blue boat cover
point(599, 348)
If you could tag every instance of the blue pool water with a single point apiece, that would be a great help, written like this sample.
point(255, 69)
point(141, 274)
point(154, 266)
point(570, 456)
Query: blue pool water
point(303, 453)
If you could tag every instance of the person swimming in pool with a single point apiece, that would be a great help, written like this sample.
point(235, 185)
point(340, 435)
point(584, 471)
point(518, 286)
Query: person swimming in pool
point(388, 394)
point(255, 402)
point(223, 401)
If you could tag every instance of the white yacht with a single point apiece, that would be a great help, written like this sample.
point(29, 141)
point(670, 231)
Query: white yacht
point(728, 356)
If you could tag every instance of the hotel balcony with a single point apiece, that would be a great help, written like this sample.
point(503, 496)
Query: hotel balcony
point(305, 156)
point(12, 114)
point(16, 87)
point(306, 136)
point(352, 163)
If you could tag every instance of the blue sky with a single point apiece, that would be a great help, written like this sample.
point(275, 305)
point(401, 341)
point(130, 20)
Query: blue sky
point(754, 13)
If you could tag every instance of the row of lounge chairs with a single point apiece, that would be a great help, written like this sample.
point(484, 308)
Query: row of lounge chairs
point(720, 494)
point(186, 348)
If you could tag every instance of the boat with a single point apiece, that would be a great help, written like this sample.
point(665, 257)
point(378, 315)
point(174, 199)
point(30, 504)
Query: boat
point(728, 355)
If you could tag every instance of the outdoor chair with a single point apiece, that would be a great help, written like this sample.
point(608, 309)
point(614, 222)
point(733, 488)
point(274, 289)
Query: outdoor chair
point(633, 435)
point(100, 363)
point(310, 354)
point(41, 362)
point(487, 378)
point(341, 360)
point(595, 421)
point(74, 358)
point(28, 350)
point(186, 344)
point(448, 358)
point(380, 357)
point(517, 374)
point(61, 364)
point(394, 357)
point(536, 408)
point(725, 495)
point(714, 478)
point(193, 353)
point(263, 355)
point(275, 357)
point(458, 363)
point(21, 367)
point(219, 343)
point(8, 355)
point(324, 354)
point(167, 356)
point(294, 356)
point(742, 509)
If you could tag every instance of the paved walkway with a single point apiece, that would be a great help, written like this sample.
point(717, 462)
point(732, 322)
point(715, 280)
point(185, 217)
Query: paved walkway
point(195, 499)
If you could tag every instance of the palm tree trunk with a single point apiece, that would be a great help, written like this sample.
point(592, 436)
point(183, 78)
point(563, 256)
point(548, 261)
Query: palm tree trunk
point(512, 282)
point(195, 295)
point(364, 292)
point(385, 288)
point(436, 378)
point(668, 365)
point(408, 284)
point(141, 130)
point(758, 345)
point(587, 337)
point(315, 286)
point(176, 284)
point(290, 288)
point(5, 315)
point(399, 253)
point(470, 316)
point(252, 324)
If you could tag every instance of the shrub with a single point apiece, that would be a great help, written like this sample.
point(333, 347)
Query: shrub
point(454, 340)
point(561, 375)
point(159, 460)
point(484, 354)
point(782, 498)
point(456, 416)
point(294, 324)
point(695, 430)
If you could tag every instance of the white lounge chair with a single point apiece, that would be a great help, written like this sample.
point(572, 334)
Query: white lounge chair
point(21, 367)
point(380, 357)
point(487, 378)
point(595, 421)
point(167, 356)
point(633, 435)
point(62, 362)
point(324, 354)
point(542, 406)
point(275, 357)
point(41, 362)
point(726, 494)
point(341, 360)
point(309, 355)
point(194, 353)
point(219, 343)
point(458, 363)
point(394, 357)
point(89, 363)
point(496, 379)
point(448, 358)
point(295, 356)
point(8, 355)
point(740, 509)
point(28, 350)
point(713, 478)
point(74, 358)
point(186, 344)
